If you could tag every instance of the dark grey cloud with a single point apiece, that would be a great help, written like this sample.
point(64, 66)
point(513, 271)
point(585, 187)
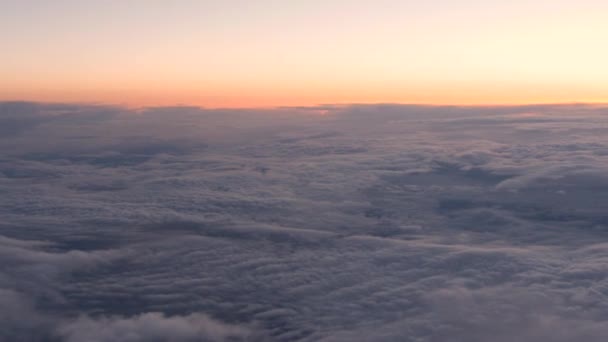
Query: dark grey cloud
point(330, 223)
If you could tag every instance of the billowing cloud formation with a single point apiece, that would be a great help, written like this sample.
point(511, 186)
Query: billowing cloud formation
point(151, 327)
point(337, 223)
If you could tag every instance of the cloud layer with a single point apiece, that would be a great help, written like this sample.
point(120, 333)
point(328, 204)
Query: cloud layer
point(337, 223)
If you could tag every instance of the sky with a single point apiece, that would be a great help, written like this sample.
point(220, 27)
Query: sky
point(264, 53)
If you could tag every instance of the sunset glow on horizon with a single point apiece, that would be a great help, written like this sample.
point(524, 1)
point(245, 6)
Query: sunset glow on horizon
point(278, 53)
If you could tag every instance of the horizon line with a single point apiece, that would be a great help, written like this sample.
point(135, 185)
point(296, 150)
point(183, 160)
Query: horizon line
point(327, 106)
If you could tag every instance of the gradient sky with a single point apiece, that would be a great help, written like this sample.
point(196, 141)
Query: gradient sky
point(249, 53)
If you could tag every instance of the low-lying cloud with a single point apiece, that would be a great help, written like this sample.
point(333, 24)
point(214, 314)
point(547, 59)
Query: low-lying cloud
point(369, 223)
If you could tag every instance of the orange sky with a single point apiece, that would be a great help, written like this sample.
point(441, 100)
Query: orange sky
point(237, 53)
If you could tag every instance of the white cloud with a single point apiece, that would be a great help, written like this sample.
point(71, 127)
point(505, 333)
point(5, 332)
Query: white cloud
point(152, 327)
